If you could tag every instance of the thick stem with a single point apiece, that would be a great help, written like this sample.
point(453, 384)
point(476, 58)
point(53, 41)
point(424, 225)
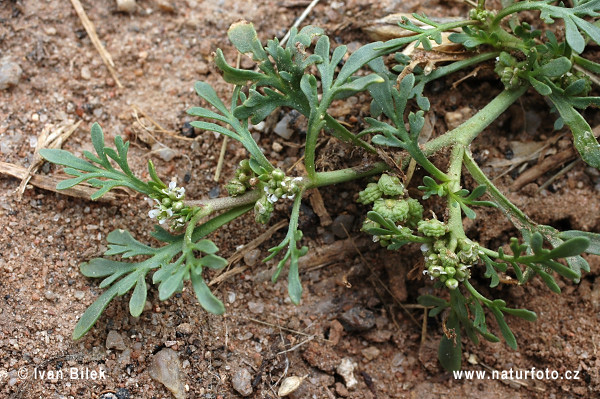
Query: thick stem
point(468, 131)
point(189, 230)
point(320, 179)
point(455, 224)
point(315, 124)
point(344, 175)
point(219, 204)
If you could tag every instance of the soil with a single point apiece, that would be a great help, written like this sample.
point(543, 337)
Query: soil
point(159, 51)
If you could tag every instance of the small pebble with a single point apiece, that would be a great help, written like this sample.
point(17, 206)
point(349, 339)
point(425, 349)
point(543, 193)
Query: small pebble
point(357, 319)
point(242, 382)
point(252, 257)
point(10, 73)
point(49, 295)
point(282, 128)
point(114, 340)
point(370, 353)
point(126, 5)
point(341, 225)
point(277, 147)
point(346, 370)
point(165, 368)
point(214, 192)
point(85, 73)
point(79, 295)
point(231, 297)
point(185, 328)
point(256, 307)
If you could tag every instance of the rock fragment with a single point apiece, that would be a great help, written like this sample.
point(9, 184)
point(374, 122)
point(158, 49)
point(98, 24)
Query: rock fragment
point(10, 73)
point(357, 319)
point(166, 369)
point(114, 340)
point(242, 382)
point(346, 370)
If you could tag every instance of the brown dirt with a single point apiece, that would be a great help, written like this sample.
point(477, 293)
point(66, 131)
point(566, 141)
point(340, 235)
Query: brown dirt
point(158, 55)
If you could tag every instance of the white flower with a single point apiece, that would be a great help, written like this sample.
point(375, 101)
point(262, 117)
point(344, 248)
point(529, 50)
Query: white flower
point(153, 214)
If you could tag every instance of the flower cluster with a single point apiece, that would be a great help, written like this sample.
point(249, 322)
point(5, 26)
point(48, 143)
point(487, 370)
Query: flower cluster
point(244, 179)
point(170, 205)
point(509, 70)
point(446, 265)
point(276, 185)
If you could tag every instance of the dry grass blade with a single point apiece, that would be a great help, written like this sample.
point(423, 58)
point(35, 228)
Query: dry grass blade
point(49, 183)
point(224, 275)
point(91, 31)
point(46, 139)
point(387, 28)
point(301, 18)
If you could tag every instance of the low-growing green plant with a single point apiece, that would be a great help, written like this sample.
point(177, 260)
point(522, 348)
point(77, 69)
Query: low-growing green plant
point(309, 81)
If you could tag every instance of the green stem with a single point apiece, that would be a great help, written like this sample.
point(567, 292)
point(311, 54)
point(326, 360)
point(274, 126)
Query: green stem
point(344, 175)
point(344, 134)
point(507, 207)
point(219, 204)
point(515, 8)
point(457, 66)
point(468, 131)
point(455, 224)
point(417, 154)
point(315, 124)
point(320, 179)
point(476, 293)
point(189, 230)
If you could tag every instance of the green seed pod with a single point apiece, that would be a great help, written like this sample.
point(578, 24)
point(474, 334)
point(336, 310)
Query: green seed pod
point(369, 224)
point(177, 206)
point(448, 258)
point(369, 194)
point(263, 210)
point(415, 212)
point(439, 246)
point(432, 228)
point(384, 243)
point(461, 274)
point(245, 165)
point(395, 210)
point(235, 187)
point(390, 185)
point(435, 271)
point(242, 177)
point(450, 271)
point(468, 253)
point(451, 283)
point(278, 174)
point(278, 192)
point(167, 201)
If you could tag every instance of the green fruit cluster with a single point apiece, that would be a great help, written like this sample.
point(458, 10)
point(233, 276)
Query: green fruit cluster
point(244, 179)
point(448, 266)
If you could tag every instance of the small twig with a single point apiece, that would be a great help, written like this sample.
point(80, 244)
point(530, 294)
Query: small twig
point(285, 329)
point(424, 327)
point(225, 138)
point(293, 348)
point(49, 183)
point(91, 31)
point(46, 139)
point(299, 20)
point(240, 254)
point(559, 174)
